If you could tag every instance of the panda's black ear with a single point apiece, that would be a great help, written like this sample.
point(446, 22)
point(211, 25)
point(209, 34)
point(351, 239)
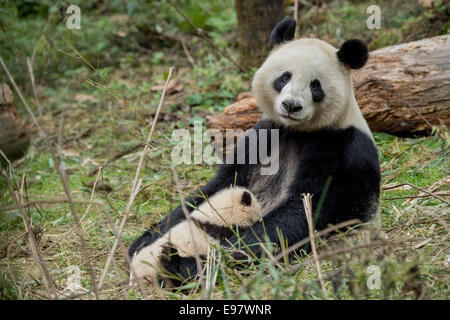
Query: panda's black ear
point(246, 199)
point(284, 31)
point(353, 53)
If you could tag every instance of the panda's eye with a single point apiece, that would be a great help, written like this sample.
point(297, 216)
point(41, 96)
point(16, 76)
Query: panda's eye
point(315, 84)
point(316, 91)
point(281, 81)
point(285, 77)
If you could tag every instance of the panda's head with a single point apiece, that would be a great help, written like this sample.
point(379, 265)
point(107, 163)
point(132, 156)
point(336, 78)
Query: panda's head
point(306, 84)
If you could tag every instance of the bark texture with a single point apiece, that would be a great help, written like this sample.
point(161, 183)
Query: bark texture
point(14, 138)
point(256, 19)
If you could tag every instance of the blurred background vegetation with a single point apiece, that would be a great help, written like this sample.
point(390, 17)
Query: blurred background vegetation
point(99, 88)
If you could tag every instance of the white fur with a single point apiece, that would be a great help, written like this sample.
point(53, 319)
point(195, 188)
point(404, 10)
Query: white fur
point(308, 59)
point(223, 209)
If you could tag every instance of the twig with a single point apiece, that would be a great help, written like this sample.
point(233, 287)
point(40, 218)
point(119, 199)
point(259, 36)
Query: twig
point(50, 201)
point(187, 53)
point(117, 156)
point(137, 182)
point(340, 251)
point(418, 188)
point(418, 196)
point(55, 158)
point(62, 174)
point(47, 279)
point(43, 32)
point(200, 32)
point(92, 194)
point(309, 217)
point(295, 246)
point(321, 233)
point(127, 258)
point(61, 131)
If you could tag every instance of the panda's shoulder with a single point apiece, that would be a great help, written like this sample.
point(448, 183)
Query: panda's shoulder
point(350, 144)
point(360, 147)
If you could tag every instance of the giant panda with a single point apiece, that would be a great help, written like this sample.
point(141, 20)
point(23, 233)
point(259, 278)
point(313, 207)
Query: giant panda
point(325, 146)
point(226, 212)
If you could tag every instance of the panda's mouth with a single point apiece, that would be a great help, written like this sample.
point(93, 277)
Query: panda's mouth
point(289, 117)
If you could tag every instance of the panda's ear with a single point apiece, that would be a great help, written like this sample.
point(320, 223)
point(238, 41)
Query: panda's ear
point(284, 31)
point(353, 53)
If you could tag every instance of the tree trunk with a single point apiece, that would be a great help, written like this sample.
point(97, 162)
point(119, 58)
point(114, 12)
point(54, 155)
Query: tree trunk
point(14, 138)
point(403, 90)
point(256, 19)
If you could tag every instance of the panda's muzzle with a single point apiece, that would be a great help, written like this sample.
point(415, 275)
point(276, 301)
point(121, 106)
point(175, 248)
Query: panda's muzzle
point(291, 106)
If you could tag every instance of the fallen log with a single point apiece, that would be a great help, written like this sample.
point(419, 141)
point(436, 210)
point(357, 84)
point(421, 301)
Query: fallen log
point(403, 90)
point(14, 138)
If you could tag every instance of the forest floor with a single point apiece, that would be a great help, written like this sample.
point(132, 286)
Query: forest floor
point(101, 116)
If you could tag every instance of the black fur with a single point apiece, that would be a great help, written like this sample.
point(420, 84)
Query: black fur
point(177, 268)
point(217, 232)
point(281, 81)
point(353, 53)
point(348, 156)
point(246, 199)
point(316, 91)
point(284, 31)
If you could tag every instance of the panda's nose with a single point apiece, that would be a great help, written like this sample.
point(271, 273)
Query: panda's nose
point(291, 106)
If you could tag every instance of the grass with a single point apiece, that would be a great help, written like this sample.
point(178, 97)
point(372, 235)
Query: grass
point(411, 248)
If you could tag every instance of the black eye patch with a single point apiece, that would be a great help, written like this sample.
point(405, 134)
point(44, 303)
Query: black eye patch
point(281, 81)
point(316, 91)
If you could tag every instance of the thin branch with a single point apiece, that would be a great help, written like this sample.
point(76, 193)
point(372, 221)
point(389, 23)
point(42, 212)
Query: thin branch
point(127, 258)
point(92, 194)
point(321, 233)
point(340, 251)
point(46, 277)
point(61, 131)
point(117, 156)
point(137, 182)
point(187, 53)
point(418, 188)
point(418, 196)
point(55, 158)
point(309, 217)
point(43, 32)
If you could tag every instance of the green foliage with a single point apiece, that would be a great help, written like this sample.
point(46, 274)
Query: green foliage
point(400, 21)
